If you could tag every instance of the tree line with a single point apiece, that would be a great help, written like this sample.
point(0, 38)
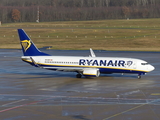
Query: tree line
point(64, 10)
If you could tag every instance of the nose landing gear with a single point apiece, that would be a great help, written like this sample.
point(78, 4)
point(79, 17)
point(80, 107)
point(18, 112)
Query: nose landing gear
point(139, 75)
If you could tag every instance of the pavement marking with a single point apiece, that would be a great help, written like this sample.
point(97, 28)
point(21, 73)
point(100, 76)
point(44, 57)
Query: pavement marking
point(48, 89)
point(13, 102)
point(155, 94)
point(125, 111)
point(35, 102)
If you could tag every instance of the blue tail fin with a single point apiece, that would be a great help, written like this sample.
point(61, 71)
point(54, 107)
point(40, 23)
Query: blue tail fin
point(28, 47)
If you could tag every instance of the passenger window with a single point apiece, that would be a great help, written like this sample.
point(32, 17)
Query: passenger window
point(144, 63)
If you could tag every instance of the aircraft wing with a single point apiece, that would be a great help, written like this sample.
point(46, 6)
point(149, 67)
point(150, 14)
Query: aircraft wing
point(85, 71)
point(66, 69)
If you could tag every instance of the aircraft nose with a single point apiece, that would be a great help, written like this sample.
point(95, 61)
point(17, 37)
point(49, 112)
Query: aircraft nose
point(151, 68)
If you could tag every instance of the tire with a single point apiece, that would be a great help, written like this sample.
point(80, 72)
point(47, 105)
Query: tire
point(78, 75)
point(139, 77)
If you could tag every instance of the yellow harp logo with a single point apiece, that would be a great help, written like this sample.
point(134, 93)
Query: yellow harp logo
point(26, 44)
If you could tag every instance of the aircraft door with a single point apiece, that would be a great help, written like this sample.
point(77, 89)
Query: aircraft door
point(38, 60)
point(134, 65)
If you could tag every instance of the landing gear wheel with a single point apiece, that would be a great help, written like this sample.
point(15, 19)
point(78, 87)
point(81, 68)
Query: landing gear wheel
point(139, 76)
point(78, 75)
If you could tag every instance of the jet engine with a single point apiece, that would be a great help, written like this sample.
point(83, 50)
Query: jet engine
point(91, 72)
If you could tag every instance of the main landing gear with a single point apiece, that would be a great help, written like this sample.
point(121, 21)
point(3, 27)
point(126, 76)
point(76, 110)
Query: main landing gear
point(139, 76)
point(78, 75)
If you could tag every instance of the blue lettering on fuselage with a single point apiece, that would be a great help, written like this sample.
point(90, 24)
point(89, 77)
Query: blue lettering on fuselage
point(110, 63)
point(121, 63)
point(95, 63)
point(102, 62)
point(113, 63)
point(82, 62)
point(89, 62)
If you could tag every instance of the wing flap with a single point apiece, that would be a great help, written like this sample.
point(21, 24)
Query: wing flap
point(66, 69)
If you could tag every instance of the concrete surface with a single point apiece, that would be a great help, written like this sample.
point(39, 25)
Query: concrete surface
point(29, 93)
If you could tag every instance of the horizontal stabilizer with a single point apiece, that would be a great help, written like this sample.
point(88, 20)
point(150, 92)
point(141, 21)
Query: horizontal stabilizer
point(34, 63)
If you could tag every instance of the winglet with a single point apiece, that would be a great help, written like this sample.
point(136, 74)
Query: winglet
point(92, 53)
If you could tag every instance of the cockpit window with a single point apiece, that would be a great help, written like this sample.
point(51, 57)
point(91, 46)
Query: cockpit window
point(144, 63)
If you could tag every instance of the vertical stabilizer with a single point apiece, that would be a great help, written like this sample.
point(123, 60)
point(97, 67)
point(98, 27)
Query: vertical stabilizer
point(28, 47)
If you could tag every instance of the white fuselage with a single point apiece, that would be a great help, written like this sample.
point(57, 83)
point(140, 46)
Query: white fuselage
point(103, 64)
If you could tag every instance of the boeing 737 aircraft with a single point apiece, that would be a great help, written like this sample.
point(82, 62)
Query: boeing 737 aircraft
point(90, 66)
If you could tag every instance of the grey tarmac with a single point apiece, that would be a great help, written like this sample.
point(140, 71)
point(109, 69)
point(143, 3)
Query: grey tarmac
point(29, 93)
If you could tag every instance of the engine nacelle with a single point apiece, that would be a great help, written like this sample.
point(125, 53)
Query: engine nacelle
point(91, 72)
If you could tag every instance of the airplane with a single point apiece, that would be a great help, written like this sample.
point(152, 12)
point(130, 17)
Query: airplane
point(89, 66)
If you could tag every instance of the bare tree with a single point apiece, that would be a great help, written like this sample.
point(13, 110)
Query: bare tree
point(145, 13)
point(51, 10)
point(144, 2)
point(82, 2)
point(125, 11)
point(107, 3)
